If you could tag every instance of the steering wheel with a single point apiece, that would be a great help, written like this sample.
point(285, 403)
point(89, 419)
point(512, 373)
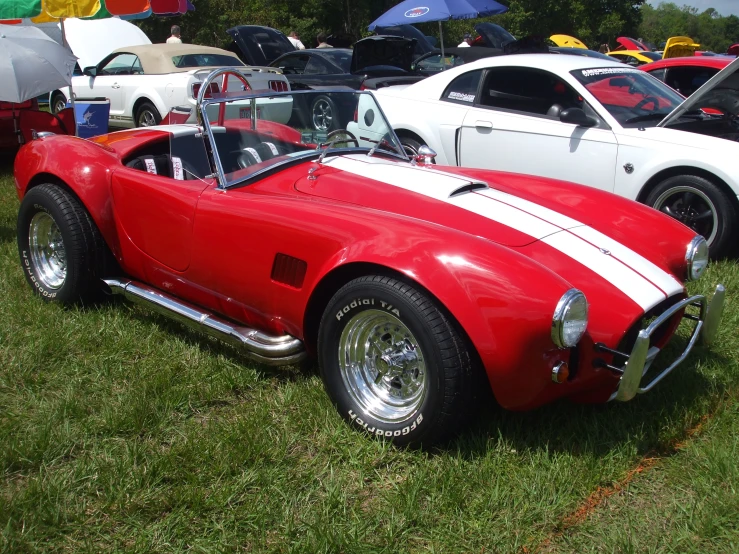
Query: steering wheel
point(338, 132)
point(648, 100)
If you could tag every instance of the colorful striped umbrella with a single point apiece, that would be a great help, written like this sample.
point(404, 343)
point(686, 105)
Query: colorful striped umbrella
point(44, 11)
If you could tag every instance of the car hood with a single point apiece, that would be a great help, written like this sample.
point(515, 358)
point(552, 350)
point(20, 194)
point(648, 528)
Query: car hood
point(626, 43)
point(259, 45)
point(383, 50)
point(720, 92)
point(561, 216)
point(679, 47)
point(567, 41)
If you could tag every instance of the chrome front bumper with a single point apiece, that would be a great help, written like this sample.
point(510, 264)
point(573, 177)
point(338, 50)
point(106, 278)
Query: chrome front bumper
point(642, 354)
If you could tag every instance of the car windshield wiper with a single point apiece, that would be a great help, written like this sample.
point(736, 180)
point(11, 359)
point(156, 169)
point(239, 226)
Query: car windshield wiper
point(647, 117)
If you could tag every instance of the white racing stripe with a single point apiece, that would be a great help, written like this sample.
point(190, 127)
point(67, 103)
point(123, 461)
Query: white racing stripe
point(638, 278)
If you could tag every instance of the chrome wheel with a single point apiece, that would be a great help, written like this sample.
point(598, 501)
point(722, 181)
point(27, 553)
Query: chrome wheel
point(147, 119)
point(691, 207)
point(47, 251)
point(59, 105)
point(323, 115)
point(382, 366)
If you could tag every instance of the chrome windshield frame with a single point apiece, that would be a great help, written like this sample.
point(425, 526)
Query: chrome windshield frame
point(204, 122)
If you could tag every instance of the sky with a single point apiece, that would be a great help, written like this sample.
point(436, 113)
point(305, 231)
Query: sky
point(724, 7)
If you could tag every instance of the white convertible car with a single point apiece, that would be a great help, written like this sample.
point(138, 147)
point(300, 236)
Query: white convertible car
point(585, 120)
point(145, 82)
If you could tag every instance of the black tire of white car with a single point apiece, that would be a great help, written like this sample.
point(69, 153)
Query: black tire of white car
point(58, 102)
point(688, 198)
point(324, 108)
point(410, 146)
point(393, 363)
point(147, 115)
point(60, 247)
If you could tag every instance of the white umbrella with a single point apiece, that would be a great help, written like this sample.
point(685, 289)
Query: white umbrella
point(31, 63)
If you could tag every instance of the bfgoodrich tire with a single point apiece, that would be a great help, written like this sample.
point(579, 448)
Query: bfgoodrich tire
point(393, 362)
point(702, 206)
point(61, 250)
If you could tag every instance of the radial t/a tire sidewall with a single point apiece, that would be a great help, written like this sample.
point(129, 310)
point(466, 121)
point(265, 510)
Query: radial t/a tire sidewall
point(342, 308)
point(32, 204)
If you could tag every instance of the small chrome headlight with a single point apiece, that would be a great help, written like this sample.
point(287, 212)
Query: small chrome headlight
point(697, 257)
point(570, 319)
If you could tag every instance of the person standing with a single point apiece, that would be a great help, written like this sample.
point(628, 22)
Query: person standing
point(321, 38)
point(175, 38)
point(295, 40)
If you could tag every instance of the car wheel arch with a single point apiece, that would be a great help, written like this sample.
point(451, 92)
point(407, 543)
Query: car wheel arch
point(660, 176)
point(143, 99)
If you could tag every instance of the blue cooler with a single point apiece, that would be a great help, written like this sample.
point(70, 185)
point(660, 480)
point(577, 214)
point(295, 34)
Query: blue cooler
point(91, 116)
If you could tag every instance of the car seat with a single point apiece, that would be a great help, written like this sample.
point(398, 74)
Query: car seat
point(163, 165)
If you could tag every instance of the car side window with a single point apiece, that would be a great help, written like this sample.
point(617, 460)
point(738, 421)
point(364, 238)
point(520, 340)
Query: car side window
point(686, 80)
point(317, 66)
point(463, 89)
point(530, 91)
point(122, 64)
point(294, 65)
point(659, 73)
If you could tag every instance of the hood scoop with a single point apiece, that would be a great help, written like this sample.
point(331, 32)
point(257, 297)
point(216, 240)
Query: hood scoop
point(470, 187)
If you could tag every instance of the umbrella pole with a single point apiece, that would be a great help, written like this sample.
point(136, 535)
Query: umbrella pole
point(71, 90)
point(441, 36)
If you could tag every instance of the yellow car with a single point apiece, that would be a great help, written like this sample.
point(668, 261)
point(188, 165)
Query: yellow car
point(679, 47)
point(634, 57)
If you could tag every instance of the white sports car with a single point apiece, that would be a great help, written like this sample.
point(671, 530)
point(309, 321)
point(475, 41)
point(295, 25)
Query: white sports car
point(145, 82)
point(585, 120)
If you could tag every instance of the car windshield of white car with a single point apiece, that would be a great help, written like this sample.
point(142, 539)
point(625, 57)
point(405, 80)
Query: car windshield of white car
point(253, 134)
point(632, 97)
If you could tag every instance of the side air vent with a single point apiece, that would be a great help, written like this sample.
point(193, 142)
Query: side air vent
point(288, 270)
point(470, 187)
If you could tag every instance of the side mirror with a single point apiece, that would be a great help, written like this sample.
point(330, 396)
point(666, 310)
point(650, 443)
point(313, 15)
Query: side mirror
point(578, 117)
point(90, 71)
point(425, 155)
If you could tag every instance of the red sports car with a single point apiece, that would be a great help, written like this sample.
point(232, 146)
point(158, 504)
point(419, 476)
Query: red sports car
point(406, 280)
point(686, 75)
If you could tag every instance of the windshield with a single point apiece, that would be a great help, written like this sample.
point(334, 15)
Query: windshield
point(632, 97)
point(256, 133)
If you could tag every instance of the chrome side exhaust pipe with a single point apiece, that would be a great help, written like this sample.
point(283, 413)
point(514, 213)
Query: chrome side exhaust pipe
point(261, 347)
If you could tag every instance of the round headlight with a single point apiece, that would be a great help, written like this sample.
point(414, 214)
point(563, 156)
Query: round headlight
point(697, 257)
point(570, 319)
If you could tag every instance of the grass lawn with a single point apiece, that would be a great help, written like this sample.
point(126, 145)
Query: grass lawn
point(122, 431)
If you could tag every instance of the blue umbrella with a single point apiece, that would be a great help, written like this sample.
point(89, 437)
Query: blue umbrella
point(422, 11)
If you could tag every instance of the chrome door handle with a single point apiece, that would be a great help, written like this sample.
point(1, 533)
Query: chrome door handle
point(483, 124)
point(115, 85)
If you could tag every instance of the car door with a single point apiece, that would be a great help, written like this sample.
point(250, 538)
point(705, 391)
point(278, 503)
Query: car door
point(110, 78)
point(514, 126)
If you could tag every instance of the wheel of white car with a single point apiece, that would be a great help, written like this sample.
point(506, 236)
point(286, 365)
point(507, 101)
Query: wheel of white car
point(147, 115)
point(60, 247)
point(58, 102)
point(393, 362)
point(702, 206)
point(410, 146)
point(324, 114)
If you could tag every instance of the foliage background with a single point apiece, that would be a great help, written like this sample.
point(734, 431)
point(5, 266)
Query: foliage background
point(592, 21)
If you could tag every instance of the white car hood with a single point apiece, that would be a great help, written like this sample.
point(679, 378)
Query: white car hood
point(677, 137)
point(720, 92)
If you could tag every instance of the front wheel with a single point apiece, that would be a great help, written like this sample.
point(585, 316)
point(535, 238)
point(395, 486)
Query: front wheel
point(393, 363)
point(702, 206)
point(58, 102)
point(324, 114)
point(61, 250)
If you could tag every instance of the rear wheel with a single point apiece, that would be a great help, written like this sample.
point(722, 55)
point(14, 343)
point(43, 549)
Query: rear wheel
point(393, 363)
point(61, 250)
point(147, 115)
point(410, 146)
point(324, 114)
point(702, 206)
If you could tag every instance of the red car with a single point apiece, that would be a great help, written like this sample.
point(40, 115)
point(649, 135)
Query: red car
point(406, 280)
point(686, 75)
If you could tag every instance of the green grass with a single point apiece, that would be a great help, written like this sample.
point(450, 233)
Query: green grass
point(122, 431)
